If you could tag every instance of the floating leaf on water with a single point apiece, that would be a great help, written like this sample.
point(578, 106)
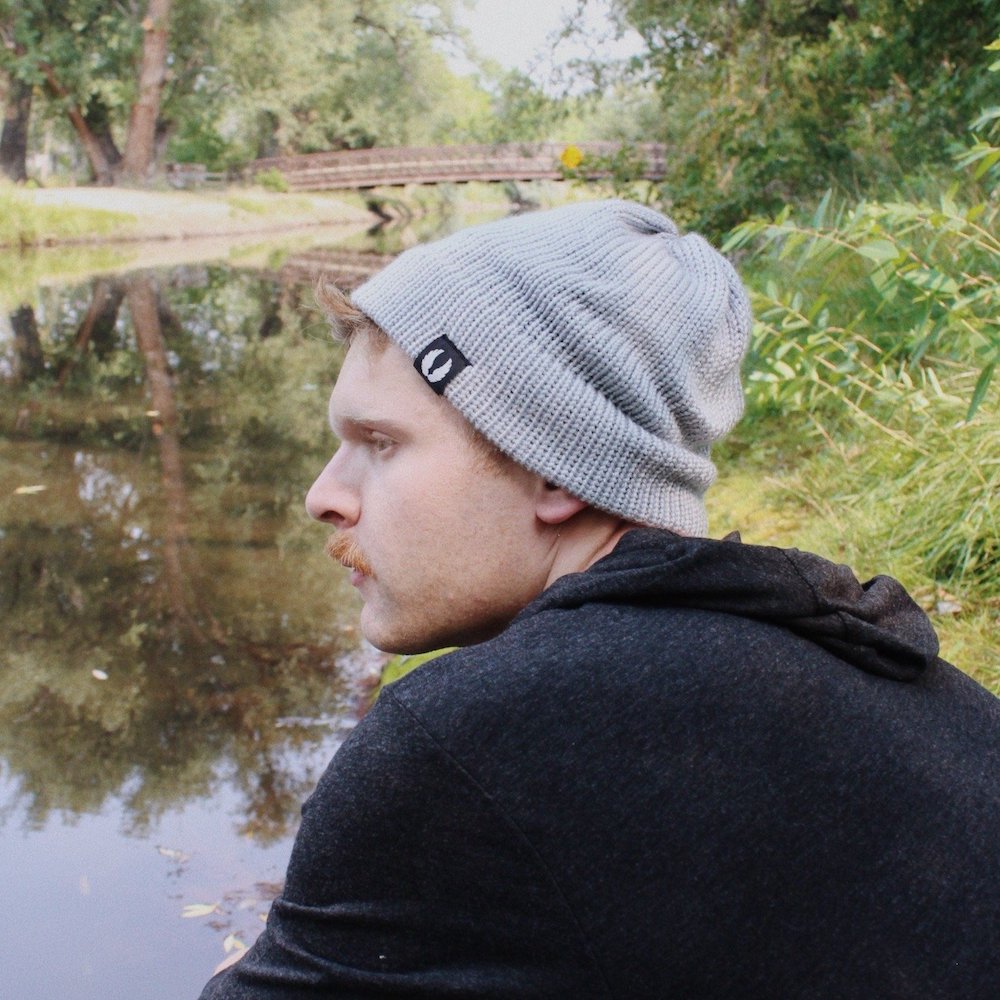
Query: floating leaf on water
point(99, 675)
point(29, 490)
point(199, 909)
point(233, 943)
point(174, 855)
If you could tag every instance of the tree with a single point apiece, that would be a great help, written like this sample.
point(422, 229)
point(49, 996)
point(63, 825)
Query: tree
point(46, 43)
point(14, 138)
point(766, 101)
point(138, 158)
point(223, 82)
point(309, 75)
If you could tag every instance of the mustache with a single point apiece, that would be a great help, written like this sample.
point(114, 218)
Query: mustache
point(345, 550)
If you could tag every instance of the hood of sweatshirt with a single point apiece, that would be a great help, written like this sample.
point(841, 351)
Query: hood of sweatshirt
point(875, 625)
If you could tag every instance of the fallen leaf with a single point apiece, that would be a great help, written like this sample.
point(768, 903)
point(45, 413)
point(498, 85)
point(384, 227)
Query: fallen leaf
point(947, 604)
point(28, 490)
point(948, 608)
point(199, 909)
point(233, 943)
point(174, 855)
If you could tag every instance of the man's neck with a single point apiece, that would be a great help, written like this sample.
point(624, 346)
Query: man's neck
point(580, 542)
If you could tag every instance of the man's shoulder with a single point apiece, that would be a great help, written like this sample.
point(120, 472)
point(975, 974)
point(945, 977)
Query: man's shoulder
point(563, 669)
point(568, 664)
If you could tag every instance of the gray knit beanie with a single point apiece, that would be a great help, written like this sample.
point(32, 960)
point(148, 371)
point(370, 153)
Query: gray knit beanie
point(592, 343)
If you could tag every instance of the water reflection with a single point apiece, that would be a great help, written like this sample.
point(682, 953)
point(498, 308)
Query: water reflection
point(179, 659)
point(150, 520)
point(173, 635)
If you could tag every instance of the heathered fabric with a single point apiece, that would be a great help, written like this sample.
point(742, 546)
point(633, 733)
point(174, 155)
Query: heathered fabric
point(604, 348)
point(700, 769)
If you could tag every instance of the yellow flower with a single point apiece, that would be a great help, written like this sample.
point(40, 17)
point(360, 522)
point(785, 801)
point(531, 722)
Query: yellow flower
point(571, 157)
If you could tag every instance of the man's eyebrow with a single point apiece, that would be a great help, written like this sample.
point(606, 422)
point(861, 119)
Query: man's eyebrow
point(360, 423)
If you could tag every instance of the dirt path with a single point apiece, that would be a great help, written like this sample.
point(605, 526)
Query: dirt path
point(185, 214)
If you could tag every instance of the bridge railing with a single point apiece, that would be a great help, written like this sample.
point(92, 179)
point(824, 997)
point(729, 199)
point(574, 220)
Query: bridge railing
point(392, 166)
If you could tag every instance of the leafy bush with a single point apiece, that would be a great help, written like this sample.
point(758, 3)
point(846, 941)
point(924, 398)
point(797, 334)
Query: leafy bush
point(271, 180)
point(847, 307)
point(880, 322)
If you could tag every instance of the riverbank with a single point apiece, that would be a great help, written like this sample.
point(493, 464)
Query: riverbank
point(75, 216)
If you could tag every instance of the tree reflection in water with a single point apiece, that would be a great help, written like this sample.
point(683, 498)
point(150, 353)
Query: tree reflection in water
point(169, 620)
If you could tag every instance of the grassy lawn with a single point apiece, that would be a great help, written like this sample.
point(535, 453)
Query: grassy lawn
point(24, 224)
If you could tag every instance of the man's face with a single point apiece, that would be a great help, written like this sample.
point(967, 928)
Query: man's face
point(447, 547)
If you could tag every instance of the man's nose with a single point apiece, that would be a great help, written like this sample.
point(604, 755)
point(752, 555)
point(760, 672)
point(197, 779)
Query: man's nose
point(331, 499)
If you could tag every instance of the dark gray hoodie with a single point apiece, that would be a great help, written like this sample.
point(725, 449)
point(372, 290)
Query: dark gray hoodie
point(701, 769)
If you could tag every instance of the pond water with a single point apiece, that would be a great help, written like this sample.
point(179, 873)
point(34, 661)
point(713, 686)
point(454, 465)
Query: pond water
point(179, 658)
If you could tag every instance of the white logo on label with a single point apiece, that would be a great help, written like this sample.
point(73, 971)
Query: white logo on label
point(428, 363)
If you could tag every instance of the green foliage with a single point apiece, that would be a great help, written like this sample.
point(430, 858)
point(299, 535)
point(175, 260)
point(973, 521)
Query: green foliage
point(984, 154)
point(914, 499)
point(272, 180)
point(881, 322)
point(621, 172)
point(768, 102)
point(252, 79)
point(846, 307)
point(309, 75)
point(925, 489)
point(522, 112)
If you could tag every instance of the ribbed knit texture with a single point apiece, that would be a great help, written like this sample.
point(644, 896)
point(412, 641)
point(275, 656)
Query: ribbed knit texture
point(604, 348)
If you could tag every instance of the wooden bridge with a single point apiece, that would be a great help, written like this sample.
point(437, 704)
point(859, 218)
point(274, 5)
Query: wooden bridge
point(397, 166)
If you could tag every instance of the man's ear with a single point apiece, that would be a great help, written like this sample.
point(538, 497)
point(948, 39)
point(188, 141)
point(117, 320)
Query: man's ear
point(555, 505)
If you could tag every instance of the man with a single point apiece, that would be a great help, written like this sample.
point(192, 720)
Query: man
point(661, 765)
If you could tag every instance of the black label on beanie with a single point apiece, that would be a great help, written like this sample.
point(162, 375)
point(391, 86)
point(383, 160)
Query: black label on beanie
point(439, 362)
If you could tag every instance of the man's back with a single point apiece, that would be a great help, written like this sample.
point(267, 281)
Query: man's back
point(698, 769)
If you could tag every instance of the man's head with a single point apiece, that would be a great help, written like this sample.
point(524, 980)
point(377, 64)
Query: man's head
point(593, 345)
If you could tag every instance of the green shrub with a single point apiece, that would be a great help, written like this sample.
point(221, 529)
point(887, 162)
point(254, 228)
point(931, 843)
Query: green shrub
point(880, 324)
point(846, 307)
point(271, 180)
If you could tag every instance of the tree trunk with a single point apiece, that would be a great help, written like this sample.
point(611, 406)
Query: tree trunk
point(14, 139)
point(27, 344)
point(99, 122)
point(139, 146)
point(144, 305)
point(98, 324)
point(91, 144)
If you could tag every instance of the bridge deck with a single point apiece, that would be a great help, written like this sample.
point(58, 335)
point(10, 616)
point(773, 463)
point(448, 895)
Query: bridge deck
point(397, 166)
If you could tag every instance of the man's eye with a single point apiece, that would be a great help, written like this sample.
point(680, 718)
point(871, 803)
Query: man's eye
point(380, 442)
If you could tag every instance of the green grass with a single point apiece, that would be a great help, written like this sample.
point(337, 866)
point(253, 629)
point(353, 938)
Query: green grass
point(918, 500)
point(268, 203)
point(25, 224)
